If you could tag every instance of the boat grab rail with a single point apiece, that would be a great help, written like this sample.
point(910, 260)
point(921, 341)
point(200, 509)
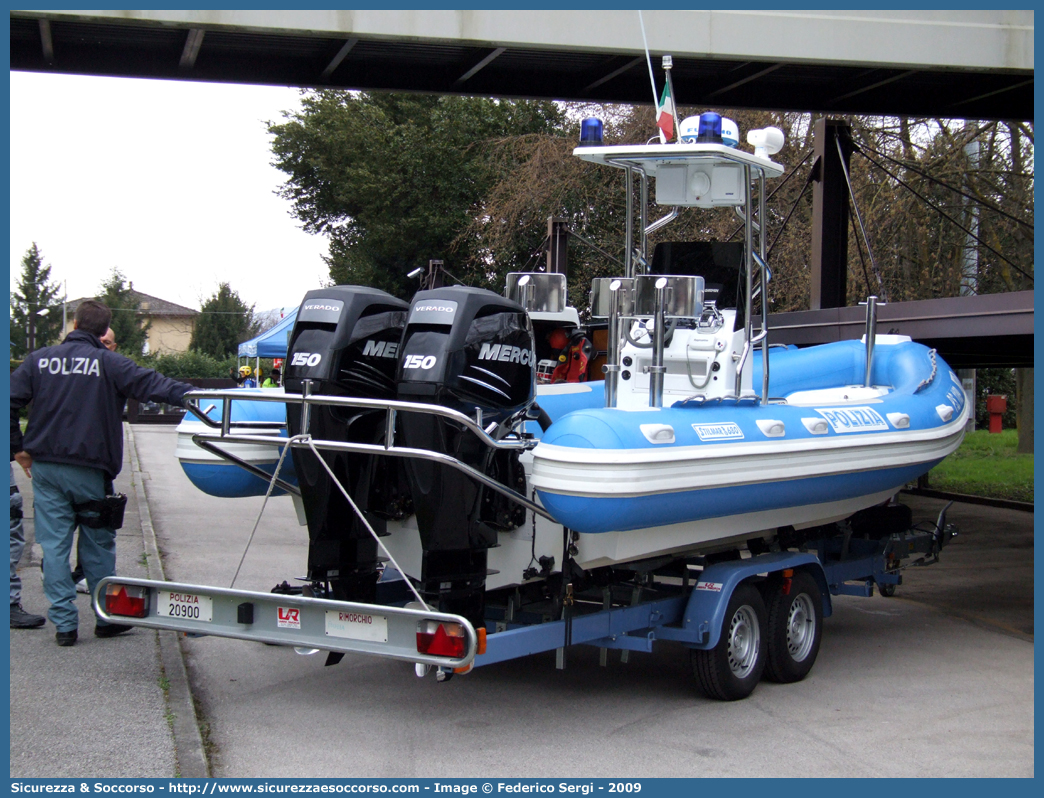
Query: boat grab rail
point(748, 346)
point(272, 425)
point(306, 400)
point(370, 448)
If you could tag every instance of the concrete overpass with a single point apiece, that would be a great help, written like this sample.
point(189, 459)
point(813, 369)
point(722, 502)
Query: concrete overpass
point(966, 63)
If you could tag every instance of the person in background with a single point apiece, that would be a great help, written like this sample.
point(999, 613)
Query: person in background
point(244, 380)
point(73, 449)
point(20, 619)
point(272, 381)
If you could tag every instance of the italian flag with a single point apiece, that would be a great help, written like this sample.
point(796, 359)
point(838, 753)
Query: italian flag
point(665, 114)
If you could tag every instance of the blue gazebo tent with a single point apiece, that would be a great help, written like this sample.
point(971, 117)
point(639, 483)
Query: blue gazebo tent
point(272, 343)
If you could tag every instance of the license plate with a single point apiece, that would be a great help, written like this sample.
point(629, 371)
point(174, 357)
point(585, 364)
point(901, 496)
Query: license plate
point(357, 626)
point(185, 605)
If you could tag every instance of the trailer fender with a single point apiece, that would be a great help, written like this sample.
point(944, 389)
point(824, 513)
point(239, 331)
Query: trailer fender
point(705, 610)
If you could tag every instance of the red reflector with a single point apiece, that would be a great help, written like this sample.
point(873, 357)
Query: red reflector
point(441, 639)
point(130, 601)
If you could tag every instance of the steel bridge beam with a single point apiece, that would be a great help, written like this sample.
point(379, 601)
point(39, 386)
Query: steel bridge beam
point(987, 331)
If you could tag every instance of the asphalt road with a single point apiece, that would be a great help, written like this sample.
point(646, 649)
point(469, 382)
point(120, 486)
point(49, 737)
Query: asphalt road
point(937, 681)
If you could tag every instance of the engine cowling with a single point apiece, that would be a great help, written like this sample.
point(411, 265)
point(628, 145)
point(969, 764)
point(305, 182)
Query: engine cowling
point(471, 350)
point(346, 341)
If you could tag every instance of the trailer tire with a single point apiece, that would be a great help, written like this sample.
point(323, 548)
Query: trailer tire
point(886, 590)
point(732, 669)
point(795, 629)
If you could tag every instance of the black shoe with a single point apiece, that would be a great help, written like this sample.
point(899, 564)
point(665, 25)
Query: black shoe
point(65, 638)
point(111, 630)
point(20, 619)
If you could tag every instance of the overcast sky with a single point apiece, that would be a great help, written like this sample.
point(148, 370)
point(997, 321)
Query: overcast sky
point(168, 181)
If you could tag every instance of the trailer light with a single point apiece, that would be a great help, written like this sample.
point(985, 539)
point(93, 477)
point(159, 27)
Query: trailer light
point(481, 649)
point(441, 639)
point(130, 601)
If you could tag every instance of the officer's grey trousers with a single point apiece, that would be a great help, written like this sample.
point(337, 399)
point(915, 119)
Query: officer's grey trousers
point(56, 488)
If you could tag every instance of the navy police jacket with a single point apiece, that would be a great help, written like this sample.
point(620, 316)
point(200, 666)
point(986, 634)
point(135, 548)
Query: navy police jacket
point(78, 389)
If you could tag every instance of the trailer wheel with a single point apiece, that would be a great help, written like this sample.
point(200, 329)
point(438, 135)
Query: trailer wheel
point(795, 629)
point(886, 590)
point(732, 669)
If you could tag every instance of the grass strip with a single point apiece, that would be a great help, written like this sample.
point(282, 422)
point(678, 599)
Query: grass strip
point(986, 465)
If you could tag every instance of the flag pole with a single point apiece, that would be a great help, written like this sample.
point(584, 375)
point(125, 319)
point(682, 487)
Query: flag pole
point(652, 78)
point(668, 62)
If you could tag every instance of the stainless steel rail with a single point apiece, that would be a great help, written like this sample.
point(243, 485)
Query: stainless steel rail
point(381, 449)
point(393, 407)
point(308, 399)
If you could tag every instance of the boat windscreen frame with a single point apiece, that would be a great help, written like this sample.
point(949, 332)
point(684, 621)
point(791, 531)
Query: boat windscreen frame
point(752, 167)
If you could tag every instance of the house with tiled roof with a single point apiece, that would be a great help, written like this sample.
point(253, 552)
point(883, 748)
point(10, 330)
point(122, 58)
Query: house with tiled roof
point(172, 324)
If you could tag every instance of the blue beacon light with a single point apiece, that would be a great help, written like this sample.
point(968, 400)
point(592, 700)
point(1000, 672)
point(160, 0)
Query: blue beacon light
point(591, 132)
point(710, 128)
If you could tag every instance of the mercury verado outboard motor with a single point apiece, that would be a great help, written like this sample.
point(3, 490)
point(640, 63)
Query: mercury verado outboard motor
point(467, 349)
point(346, 342)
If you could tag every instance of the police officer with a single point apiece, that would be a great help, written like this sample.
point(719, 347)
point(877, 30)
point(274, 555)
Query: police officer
point(73, 449)
point(109, 342)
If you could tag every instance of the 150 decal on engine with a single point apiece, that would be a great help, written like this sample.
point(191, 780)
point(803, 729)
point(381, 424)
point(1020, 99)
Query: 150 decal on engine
point(419, 361)
point(306, 359)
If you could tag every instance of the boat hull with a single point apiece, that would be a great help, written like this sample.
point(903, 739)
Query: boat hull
point(228, 481)
point(220, 477)
point(611, 470)
point(787, 499)
point(597, 550)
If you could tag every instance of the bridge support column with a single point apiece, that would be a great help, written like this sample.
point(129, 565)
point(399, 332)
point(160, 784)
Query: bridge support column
point(830, 215)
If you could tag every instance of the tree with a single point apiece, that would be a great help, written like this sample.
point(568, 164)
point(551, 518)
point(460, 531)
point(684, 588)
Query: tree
point(34, 292)
point(541, 178)
point(954, 175)
point(189, 365)
point(395, 179)
point(918, 252)
point(119, 296)
point(224, 322)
